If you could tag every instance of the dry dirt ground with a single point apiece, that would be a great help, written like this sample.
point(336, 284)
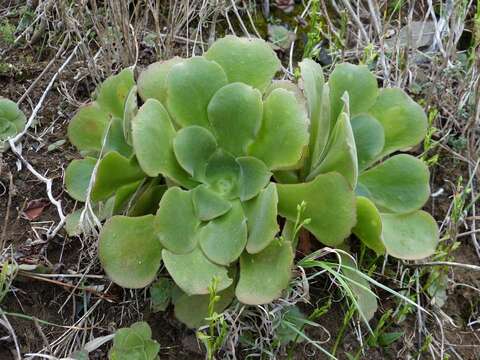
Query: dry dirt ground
point(59, 299)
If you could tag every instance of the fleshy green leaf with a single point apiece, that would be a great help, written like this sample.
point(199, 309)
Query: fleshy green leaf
point(102, 210)
point(292, 324)
point(114, 171)
point(131, 109)
point(293, 88)
point(366, 299)
point(192, 310)
point(113, 92)
point(208, 204)
point(115, 140)
point(193, 146)
point(411, 236)
point(190, 86)
point(369, 225)
point(87, 131)
point(152, 82)
point(72, 223)
point(129, 251)
point(261, 214)
point(265, 275)
point(369, 139)
point(123, 195)
point(161, 294)
point(223, 173)
point(341, 155)
point(12, 119)
point(254, 176)
point(286, 176)
point(87, 127)
point(134, 342)
point(283, 135)
point(360, 84)
point(224, 238)
point(318, 102)
point(176, 223)
point(148, 201)
point(235, 113)
point(400, 184)
point(330, 206)
point(153, 134)
point(403, 120)
point(77, 177)
point(194, 273)
point(251, 61)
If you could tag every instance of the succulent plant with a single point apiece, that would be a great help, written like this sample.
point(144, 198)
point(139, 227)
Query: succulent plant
point(188, 174)
point(12, 121)
point(358, 129)
point(134, 342)
point(354, 130)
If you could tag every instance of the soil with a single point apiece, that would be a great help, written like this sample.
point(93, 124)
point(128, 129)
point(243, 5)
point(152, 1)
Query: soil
point(53, 303)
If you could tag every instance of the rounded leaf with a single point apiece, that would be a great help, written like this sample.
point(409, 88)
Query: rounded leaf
point(190, 86)
point(251, 61)
point(224, 238)
point(113, 172)
point(360, 84)
point(369, 225)
point(87, 127)
point(175, 222)
point(284, 132)
point(330, 206)
point(152, 82)
point(254, 176)
point(77, 177)
point(293, 88)
point(235, 113)
point(400, 184)
point(12, 119)
point(265, 275)
point(194, 273)
point(403, 120)
point(369, 139)
point(208, 204)
point(411, 236)
point(113, 92)
point(153, 134)
point(261, 214)
point(129, 251)
point(193, 146)
point(193, 310)
point(223, 173)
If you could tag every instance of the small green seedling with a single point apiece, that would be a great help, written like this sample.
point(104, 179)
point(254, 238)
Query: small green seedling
point(134, 342)
point(12, 121)
point(199, 157)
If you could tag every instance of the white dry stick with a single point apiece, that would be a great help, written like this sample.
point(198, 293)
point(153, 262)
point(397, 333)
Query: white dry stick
point(88, 216)
point(240, 21)
point(379, 30)
point(356, 20)
point(6, 324)
point(290, 57)
point(47, 181)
